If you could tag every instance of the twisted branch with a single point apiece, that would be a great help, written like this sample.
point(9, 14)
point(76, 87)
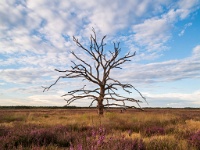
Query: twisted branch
point(99, 75)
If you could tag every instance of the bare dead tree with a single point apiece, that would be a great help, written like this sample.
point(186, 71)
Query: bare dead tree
point(99, 74)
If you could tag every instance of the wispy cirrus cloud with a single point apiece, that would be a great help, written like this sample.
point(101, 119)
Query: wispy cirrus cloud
point(165, 71)
point(185, 27)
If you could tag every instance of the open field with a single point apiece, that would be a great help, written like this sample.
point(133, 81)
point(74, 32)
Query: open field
point(83, 129)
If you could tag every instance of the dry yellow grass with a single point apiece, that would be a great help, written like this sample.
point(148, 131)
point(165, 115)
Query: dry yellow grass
point(177, 124)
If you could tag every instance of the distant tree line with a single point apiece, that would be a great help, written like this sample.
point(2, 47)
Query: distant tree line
point(38, 107)
point(76, 107)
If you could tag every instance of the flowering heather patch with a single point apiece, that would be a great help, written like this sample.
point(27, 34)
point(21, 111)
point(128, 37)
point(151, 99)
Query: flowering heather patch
point(100, 139)
point(35, 135)
point(194, 139)
point(28, 136)
point(75, 130)
point(154, 131)
point(3, 130)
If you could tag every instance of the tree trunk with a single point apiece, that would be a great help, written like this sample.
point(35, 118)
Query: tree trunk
point(100, 107)
point(100, 100)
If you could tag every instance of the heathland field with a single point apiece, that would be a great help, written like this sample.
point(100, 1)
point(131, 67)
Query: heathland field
point(83, 129)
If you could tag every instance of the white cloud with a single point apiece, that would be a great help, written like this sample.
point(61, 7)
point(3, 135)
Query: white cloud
point(196, 50)
point(46, 100)
point(185, 7)
point(35, 38)
point(15, 15)
point(11, 102)
point(181, 96)
point(24, 75)
point(174, 99)
point(153, 33)
point(185, 27)
point(36, 100)
point(39, 26)
point(2, 84)
point(166, 71)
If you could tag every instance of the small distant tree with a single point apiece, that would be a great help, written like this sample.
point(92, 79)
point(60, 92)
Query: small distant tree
point(99, 74)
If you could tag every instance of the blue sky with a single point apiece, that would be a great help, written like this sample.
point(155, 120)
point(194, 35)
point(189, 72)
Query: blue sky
point(36, 38)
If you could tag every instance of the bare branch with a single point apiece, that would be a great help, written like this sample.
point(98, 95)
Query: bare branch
point(92, 102)
point(113, 104)
point(98, 72)
point(47, 88)
point(74, 98)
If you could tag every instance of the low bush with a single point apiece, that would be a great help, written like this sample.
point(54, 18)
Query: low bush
point(194, 139)
point(154, 131)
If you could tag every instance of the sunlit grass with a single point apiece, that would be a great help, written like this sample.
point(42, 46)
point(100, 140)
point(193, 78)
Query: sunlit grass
point(167, 142)
point(152, 129)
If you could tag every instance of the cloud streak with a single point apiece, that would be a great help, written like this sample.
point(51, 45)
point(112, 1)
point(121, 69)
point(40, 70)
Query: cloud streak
point(174, 99)
point(166, 71)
